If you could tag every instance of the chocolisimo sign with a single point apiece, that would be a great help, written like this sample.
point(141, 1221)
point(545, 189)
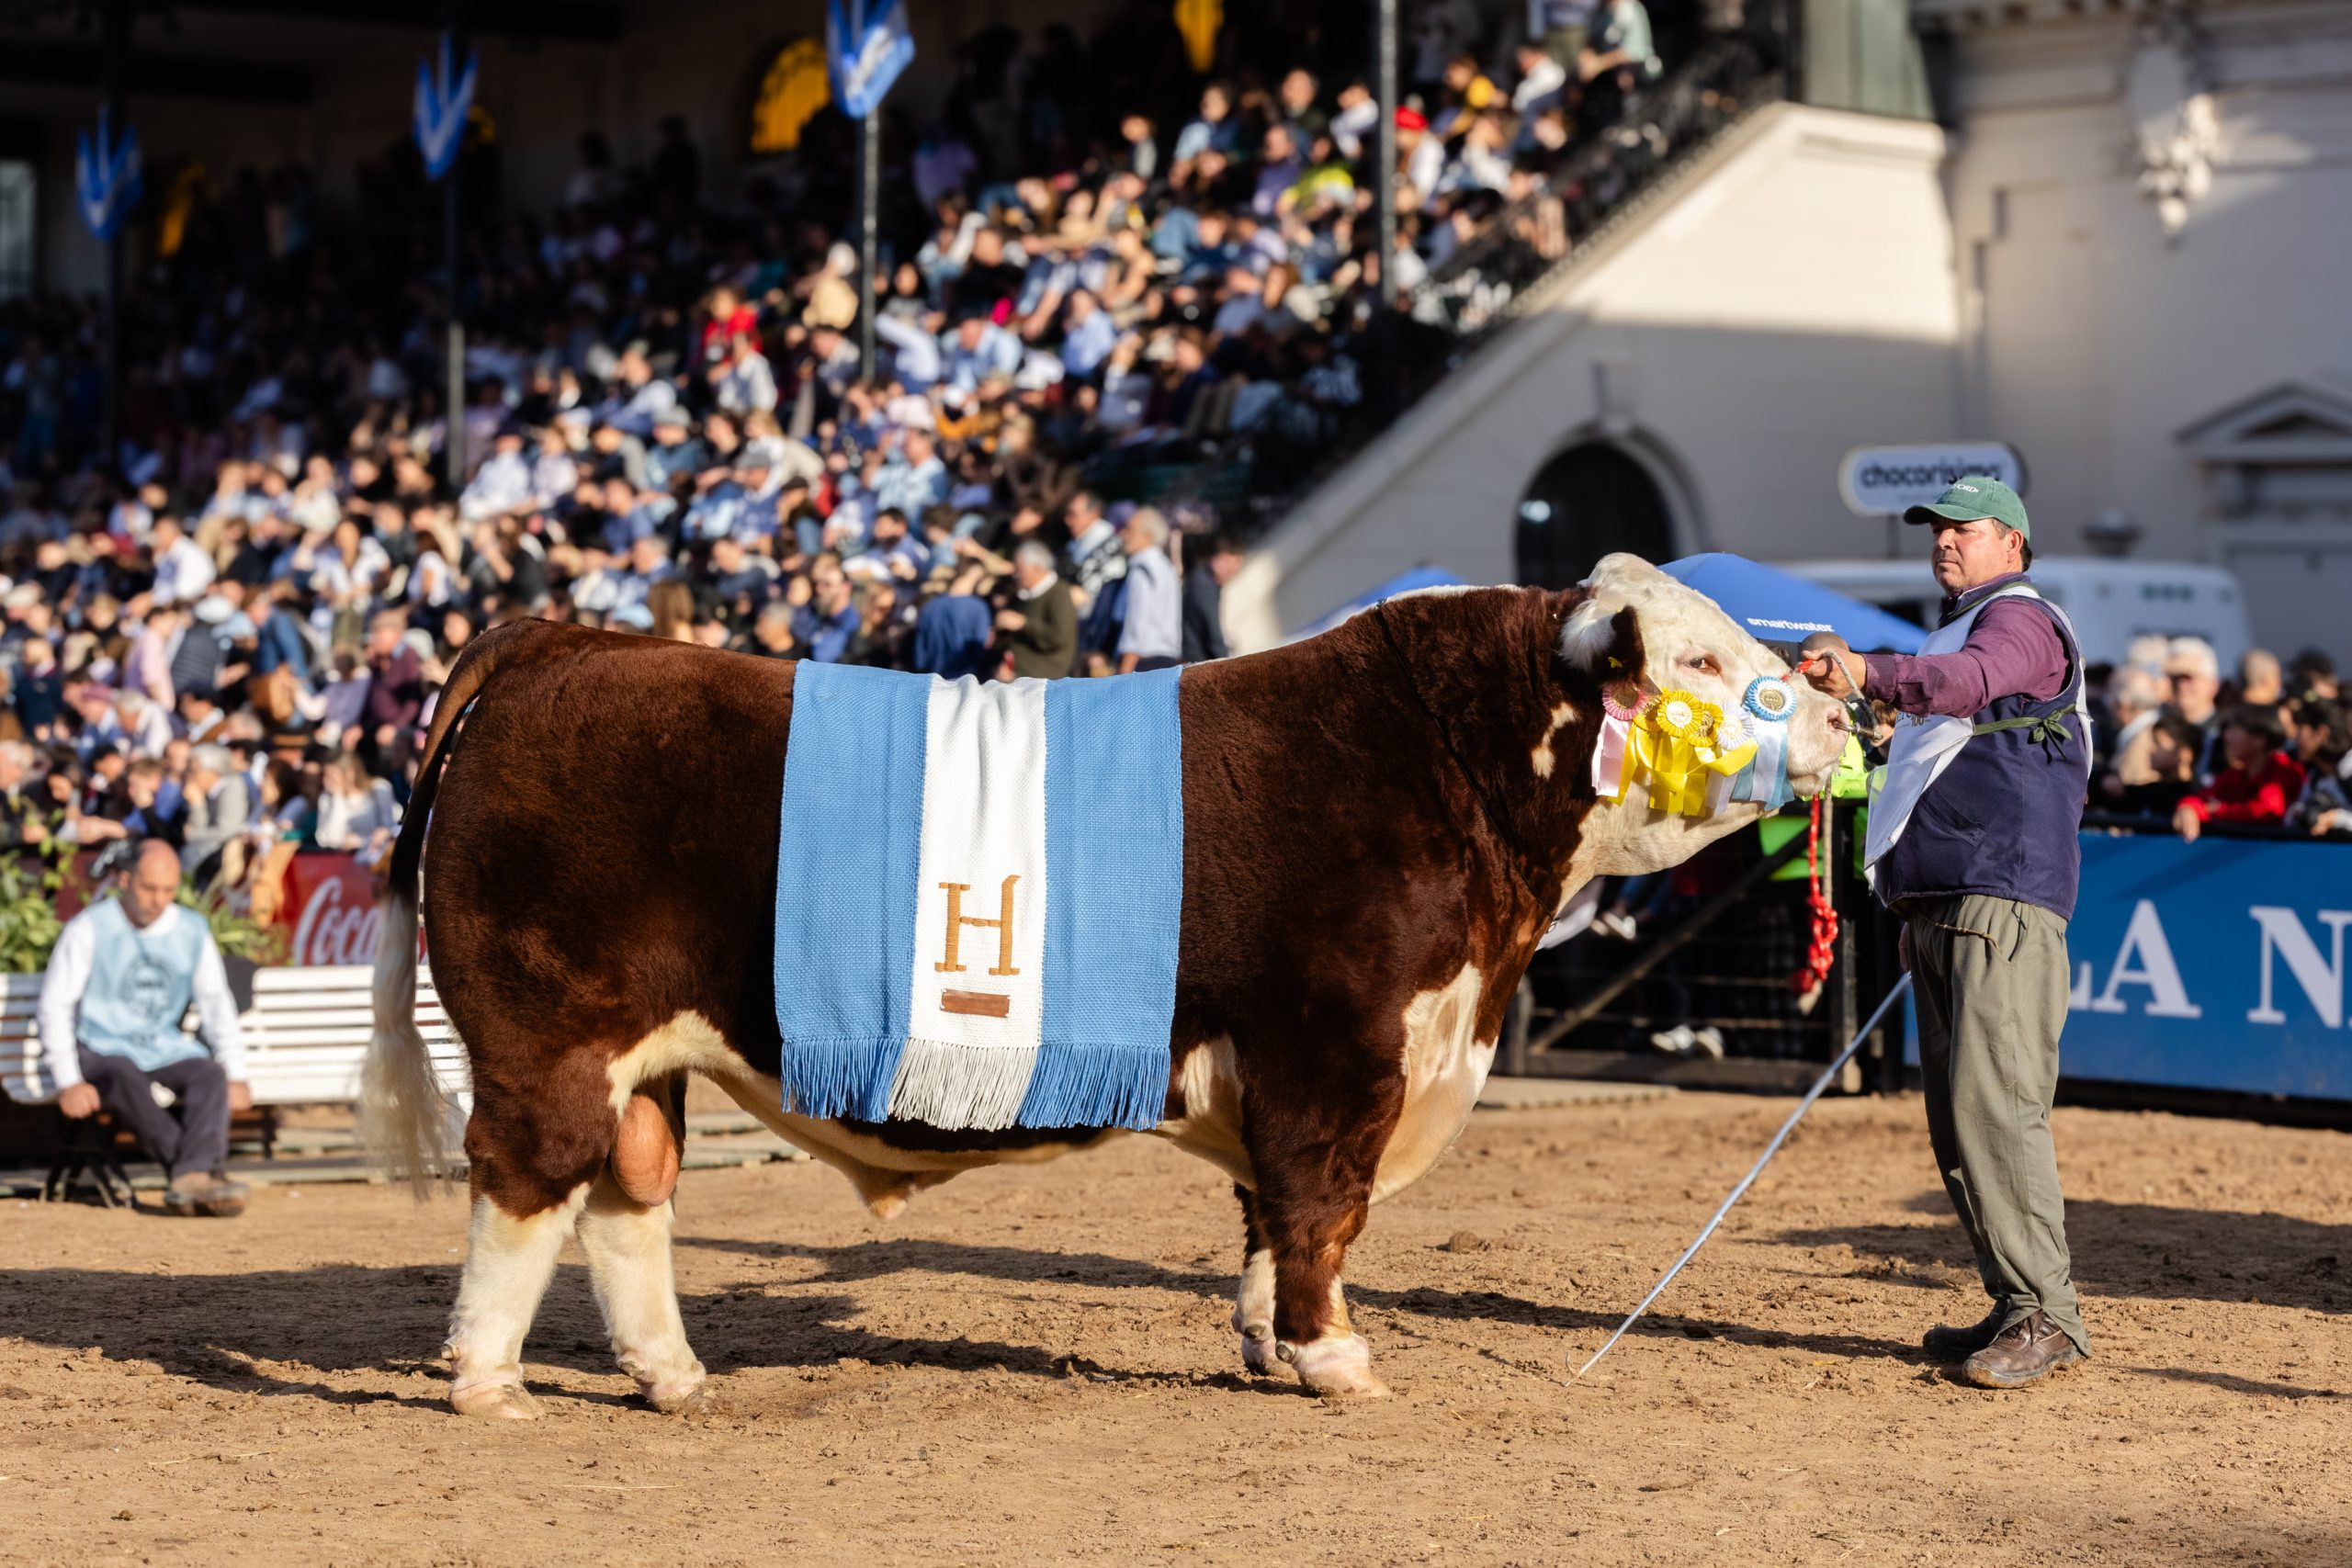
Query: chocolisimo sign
point(1881, 481)
point(331, 907)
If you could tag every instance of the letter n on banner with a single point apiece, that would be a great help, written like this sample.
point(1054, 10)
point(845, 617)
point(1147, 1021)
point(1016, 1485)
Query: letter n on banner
point(2322, 980)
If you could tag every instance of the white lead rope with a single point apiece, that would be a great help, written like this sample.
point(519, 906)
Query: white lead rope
point(1820, 1085)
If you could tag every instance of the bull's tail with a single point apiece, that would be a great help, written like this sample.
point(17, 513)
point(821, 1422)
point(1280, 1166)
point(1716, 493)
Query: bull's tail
point(405, 1115)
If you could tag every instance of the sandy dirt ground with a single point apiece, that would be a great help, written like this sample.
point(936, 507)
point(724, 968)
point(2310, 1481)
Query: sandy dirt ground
point(1033, 1364)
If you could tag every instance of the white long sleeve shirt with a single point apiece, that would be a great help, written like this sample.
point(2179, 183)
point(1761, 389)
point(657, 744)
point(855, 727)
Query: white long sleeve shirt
point(1155, 623)
point(68, 977)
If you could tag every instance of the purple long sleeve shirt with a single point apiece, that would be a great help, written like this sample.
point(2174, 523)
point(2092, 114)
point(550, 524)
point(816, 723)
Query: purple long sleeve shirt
point(2012, 650)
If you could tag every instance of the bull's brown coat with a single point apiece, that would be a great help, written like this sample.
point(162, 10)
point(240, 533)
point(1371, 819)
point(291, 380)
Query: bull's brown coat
point(1371, 817)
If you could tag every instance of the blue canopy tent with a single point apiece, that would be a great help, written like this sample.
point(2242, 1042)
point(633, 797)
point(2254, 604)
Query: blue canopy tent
point(1780, 607)
point(1405, 582)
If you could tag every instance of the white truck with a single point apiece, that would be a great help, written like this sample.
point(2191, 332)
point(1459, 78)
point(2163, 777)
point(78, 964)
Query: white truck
point(2109, 601)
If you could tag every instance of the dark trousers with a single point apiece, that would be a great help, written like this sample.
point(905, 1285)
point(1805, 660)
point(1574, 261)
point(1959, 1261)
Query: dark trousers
point(197, 1138)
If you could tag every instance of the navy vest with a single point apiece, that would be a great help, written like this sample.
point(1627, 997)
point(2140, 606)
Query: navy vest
point(2006, 817)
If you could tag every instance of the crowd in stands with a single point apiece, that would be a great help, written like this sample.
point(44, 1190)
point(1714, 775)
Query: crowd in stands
point(2270, 748)
point(228, 631)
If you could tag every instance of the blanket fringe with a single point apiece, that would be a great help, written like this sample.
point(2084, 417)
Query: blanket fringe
point(979, 1089)
point(961, 1085)
point(841, 1078)
point(1099, 1086)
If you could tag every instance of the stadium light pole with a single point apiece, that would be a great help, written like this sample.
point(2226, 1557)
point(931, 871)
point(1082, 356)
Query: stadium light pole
point(1383, 325)
point(869, 191)
point(453, 449)
point(114, 58)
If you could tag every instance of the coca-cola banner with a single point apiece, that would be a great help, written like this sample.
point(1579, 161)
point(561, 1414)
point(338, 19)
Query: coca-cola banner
point(330, 909)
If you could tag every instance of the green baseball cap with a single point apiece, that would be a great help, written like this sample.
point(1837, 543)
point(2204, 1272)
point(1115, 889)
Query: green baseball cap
point(1975, 495)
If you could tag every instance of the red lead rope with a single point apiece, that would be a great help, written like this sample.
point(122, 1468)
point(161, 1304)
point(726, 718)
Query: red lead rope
point(1823, 952)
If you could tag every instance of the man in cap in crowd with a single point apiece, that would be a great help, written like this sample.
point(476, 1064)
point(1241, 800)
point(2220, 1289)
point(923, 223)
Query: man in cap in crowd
point(1974, 842)
point(2195, 676)
point(120, 977)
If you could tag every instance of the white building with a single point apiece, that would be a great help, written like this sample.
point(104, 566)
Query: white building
point(2125, 253)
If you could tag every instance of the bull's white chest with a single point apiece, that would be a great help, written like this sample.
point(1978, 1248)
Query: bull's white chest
point(1444, 1067)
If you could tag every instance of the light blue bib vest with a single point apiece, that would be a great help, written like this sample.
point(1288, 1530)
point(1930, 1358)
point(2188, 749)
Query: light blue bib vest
point(141, 982)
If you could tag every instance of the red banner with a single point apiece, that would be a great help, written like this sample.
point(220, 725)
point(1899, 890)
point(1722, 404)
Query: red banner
point(329, 910)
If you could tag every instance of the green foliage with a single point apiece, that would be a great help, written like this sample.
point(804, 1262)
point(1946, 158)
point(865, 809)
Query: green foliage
point(236, 934)
point(28, 922)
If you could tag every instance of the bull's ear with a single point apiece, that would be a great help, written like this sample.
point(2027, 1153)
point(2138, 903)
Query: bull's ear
point(1605, 644)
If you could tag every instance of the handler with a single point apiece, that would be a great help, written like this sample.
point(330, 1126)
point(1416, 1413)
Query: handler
point(1973, 841)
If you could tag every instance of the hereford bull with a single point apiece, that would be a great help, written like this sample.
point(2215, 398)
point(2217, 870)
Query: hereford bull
point(1379, 825)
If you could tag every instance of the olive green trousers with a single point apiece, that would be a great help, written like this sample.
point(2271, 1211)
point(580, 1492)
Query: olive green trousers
point(1991, 978)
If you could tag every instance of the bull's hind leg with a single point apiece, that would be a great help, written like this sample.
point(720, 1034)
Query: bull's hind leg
point(508, 1263)
point(1314, 1189)
point(627, 1243)
point(1253, 1305)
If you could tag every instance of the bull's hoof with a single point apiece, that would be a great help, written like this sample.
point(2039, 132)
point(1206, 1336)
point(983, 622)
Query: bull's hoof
point(1339, 1368)
point(680, 1399)
point(498, 1401)
point(1258, 1352)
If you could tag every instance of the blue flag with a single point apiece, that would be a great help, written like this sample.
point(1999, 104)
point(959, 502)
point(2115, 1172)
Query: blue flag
point(106, 178)
point(865, 57)
point(441, 106)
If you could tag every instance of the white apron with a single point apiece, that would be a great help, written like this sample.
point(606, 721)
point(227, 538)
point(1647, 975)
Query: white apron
point(1924, 747)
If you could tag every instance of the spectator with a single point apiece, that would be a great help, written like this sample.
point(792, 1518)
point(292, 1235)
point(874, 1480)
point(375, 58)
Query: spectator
point(1205, 600)
point(2258, 782)
point(395, 699)
point(24, 820)
point(952, 636)
point(122, 973)
point(1041, 626)
point(2196, 679)
point(2135, 701)
point(2323, 746)
point(829, 626)
point(2313, 677)
point(772, 632)
point(183, 571)
point(219, 803)
point(1151, 635)
point(357, 814)
point(2260, 680)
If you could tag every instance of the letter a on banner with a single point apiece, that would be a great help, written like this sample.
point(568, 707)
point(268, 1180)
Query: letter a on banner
point(442, 105)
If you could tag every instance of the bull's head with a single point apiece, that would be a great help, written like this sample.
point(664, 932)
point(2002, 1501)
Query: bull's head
point(1639, 628)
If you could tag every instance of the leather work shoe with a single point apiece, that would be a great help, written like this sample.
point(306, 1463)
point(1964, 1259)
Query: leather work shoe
point(2027, 1350)
point(1946, 1343)
point(208, 1193)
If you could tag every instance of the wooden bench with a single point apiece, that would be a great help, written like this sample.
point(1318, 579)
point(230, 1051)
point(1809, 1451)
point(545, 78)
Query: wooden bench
point(306, 1040)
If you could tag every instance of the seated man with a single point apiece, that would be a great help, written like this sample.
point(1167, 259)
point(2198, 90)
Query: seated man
point(110, 1007)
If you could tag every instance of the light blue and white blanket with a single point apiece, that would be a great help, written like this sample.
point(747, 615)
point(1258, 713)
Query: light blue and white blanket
point(979, 890)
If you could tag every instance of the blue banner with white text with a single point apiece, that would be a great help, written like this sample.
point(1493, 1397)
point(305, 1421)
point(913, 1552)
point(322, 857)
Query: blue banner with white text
point(2215, 965)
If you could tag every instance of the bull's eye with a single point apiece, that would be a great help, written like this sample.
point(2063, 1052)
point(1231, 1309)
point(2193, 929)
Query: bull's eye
point(1704, 663)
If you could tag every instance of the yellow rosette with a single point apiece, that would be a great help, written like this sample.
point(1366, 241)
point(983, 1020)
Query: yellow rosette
point(1685, 744)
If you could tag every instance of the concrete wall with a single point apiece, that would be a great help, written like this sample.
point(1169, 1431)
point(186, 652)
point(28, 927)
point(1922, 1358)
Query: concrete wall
point(1790, 301)
point(2092, 337)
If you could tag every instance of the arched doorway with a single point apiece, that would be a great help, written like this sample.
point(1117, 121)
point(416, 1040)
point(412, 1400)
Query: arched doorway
point(1588, 500)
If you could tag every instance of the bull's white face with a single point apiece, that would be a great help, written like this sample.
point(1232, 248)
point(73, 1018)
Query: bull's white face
point(1688, 644)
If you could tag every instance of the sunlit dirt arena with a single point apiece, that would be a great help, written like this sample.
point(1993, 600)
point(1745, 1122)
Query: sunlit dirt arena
point(1033, 1364)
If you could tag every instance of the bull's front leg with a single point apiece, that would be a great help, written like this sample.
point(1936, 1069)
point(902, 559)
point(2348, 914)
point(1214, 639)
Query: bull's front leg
point(1253, 1305)
point(1314, 1166)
